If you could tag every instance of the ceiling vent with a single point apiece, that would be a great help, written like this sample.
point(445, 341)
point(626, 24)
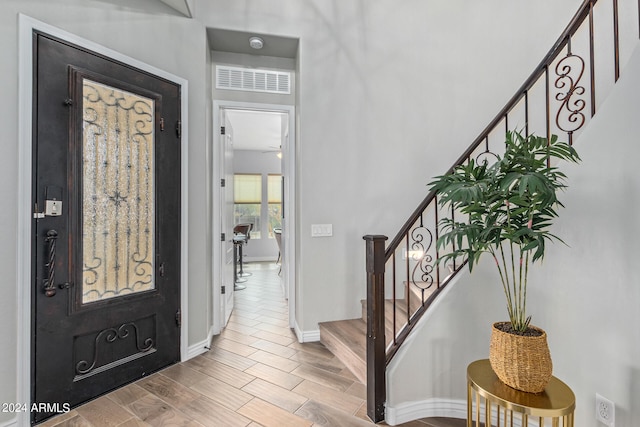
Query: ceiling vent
point(247, 79)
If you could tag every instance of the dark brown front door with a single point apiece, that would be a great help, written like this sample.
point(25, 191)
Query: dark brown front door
point(106, 229)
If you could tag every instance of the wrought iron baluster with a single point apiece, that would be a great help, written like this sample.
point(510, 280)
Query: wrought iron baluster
point(407, 278)
point(393, 283)
point(616, 41)
point(592, 64)
point(526, 113)
point(547, 104)
point(437, 232)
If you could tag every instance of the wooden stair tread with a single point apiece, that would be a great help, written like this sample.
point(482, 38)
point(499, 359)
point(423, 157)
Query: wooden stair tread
point(347, 340)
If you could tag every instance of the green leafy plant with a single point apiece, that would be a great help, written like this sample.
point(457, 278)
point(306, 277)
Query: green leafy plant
point(509, 206)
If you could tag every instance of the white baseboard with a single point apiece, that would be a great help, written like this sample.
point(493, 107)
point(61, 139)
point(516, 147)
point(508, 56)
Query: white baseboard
point(11, 423)
point(448, 408)
point(259, 259)
point(306, 336)
point(199, 348)
point(409, 411)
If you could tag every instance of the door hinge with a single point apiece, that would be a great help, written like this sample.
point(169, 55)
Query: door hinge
point(222, 130)
point(68, 102)
point(36, 214)
point(223, 290)
point(223, 182)
point(162, 124)
point(161, 269)
point(179, 129)
point(179, 318)
point(223, 237)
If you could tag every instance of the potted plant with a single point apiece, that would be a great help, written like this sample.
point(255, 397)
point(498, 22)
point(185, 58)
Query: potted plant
point(507, 208)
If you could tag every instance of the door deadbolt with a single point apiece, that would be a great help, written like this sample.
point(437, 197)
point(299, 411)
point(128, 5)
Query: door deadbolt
point(53, 200)
point(53, 207)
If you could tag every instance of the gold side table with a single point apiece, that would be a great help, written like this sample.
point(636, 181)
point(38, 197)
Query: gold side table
point(553, 407)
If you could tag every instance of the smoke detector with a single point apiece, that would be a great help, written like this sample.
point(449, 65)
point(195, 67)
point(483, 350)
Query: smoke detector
point(256, 42)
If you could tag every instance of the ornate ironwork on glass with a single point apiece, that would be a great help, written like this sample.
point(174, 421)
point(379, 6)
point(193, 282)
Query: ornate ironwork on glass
point(118, 192)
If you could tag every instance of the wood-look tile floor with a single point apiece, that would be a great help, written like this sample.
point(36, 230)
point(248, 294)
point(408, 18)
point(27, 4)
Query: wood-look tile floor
point(256, 374)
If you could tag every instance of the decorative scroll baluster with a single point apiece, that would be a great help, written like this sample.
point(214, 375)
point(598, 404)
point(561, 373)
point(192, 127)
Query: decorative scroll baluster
point(422, 240)
point(571, 105)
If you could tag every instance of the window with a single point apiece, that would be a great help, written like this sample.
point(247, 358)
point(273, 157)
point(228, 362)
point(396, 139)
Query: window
point(274, 201)
point(247, 190)
point(258, 202)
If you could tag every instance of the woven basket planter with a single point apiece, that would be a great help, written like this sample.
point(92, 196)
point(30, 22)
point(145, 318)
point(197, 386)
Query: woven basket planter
point(521, 362)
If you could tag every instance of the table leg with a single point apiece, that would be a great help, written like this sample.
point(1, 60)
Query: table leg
point(487, 412)
point(469, 404)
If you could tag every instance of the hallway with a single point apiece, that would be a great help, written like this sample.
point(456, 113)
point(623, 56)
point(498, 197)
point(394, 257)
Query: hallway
point(256, 374)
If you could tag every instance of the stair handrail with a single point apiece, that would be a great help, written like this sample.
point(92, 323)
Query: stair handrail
point(376, 254)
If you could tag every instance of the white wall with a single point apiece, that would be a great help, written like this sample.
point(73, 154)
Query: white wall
point(152, 33)
point(389, 93)
point(585, 295)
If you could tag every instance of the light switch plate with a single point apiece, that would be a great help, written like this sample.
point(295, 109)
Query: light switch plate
point(321, 230)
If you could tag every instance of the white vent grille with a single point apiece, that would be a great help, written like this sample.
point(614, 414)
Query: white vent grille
point(247, 79)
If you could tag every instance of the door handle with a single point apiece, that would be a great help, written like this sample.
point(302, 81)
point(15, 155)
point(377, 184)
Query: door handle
point(49, 281)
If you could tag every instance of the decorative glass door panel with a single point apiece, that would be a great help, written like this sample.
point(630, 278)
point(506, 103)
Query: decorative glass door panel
point(117, 192)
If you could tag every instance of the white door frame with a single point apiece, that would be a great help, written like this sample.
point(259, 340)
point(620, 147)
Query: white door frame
point(289, 195)
point(25, 213)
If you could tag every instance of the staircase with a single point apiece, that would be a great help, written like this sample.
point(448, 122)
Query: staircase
point(347, 339)
point(403, 277)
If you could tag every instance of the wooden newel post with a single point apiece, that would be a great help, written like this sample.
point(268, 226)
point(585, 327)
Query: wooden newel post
point(376, 356)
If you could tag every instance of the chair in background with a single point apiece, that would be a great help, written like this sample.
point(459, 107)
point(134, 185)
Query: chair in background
point(241, 235)
point(278, 234)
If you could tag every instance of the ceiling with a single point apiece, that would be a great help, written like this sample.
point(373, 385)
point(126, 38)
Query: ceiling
point(238, 42)
point(257, 130)
point(181, 6)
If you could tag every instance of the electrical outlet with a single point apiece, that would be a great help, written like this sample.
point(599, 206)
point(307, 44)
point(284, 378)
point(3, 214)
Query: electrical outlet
point(605, 411)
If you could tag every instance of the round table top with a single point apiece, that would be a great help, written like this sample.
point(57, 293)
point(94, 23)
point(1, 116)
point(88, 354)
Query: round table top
point(556, 400)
